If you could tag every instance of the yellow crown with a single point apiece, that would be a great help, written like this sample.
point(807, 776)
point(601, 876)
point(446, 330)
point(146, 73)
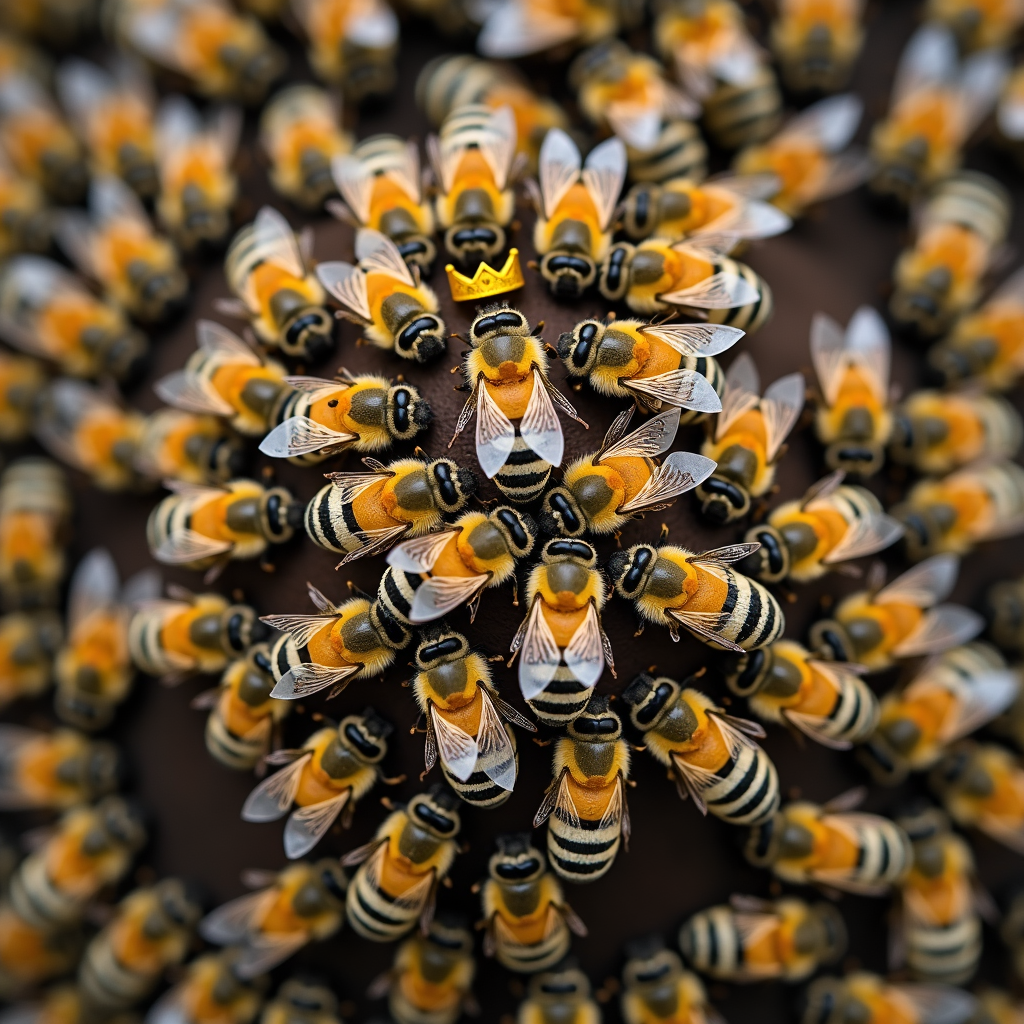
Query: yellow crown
point(486, 281)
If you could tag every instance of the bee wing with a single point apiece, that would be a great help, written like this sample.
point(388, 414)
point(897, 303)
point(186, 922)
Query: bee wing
point(924, 584)
point(694, 779)
point(348, 285)
point(224, 126)
point(323, 604)
point(510, 714)
point(495, 435)
point(539, 654)
point(820, 490)
point(723, 290)
point(815, 727)
point(373, 26)
point(724, 555)
point(1010, 117)
point(940, 1004)
point(95, 585)
point(314, 385)
point(637, 124)
point(584, 654)
point(559, 166)
point(81, 87)
point(498, 145)
point(350, 485)
point(867, 340)
point(301, 628)
point(565, 806)
point(306, 826)
point(275, 242)
point(989, 695)
point(234, 922)
point(513, 29)
point(299, 435)
point(679, 473)
point(763, 185)
point(272, 798)
point(458, 750)
point(781, 406)
point(419, 554)
point(265, 952)
point(710, 246)
point(705, 626)
point(695, 339)
point(1010, 835)
point(750, 219)
point(685, 389)
point(141, 589)
point(355, 183)
point(168, 1009)
point(497, 756)
point(177, 123)
point(845, 171)
point(981, 81)
point(373, 542)
point(539, 427)
point(604, 171)
point(216, 340)
point(831, 122)
point(742, 388)
point(942, 627)
point(615, 811)
point(929, 58)
point(187, 392)
point(442, 594)
point(828, 341)
point(866, 536)
point(378, 254)
point(303, 680)
point(111, 199)
point(74, 234)
point(652, 438)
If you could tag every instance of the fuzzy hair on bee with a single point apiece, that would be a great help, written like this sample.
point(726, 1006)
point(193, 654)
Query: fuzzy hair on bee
point(656, 987)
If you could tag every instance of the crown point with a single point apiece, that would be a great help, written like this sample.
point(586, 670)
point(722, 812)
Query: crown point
point(486, 281)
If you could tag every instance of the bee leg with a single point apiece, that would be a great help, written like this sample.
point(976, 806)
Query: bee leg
point(267, 564)
point(485, 502)
point(356, 591)
point(515, 592)
point(618, 538)
point(386, 803)
point(640, 627)
point(543, 743)
point(663, 535)
point(396, 781)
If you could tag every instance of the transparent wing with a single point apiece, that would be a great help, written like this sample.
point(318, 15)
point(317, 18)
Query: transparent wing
point(695, 339)
point(496, 757)
point(559, 165)
point(865, 537)
point(301, 628)
point(941, 628)
point(299, 435)
point(831, 122)
point(827, 343)
point(751, 219)
point(613, 813)
point(845, 171)
point(184, 546)
point(420, 553)
point(742, 389)
point(694, 779)
point(442, 594)
point(584, 654)
point(651, 439)
point(565, 806)
point(495, 435)
point(604, 171)
point(111, 199)
point(751, 186)
point(685, 389)
point(822, 488)
point(989, 695)
point(867, 340)
point(323, 604)
point(924, 584)
point(348, 486)
point(781, 406)
point(637, 124)
point(373, 542)
point(724, 555)
point(499, 144)
point(815, 727)
point(539, 655)
point(373, 26)
point(306, 826)
point(458, 750)
point(235, 922)
point(704, 626)
point(215, 339)
point(303, 680)
point(981, 81)
point(378, 254)
point(275, 241)
point(539, 426)
point(95, 585)
point(679, 473)
point(355, 183)
point(264, 952)
point(348, 285)
point(940, 1004)
point(723, 290)
point(272, 798)
point(187, 392)
point(929, 58)
point(514, 30)
point(177, 124)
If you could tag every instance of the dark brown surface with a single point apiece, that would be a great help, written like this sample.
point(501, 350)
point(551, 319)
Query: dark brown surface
point(678, 862)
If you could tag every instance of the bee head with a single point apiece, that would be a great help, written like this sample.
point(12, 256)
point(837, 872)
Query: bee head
point(178, 907)
point(161, 291)
point(722, 500)
point(122, 822)
point(307, 995)
point(780, 837)
point(103, 770)
point(497, 318)
point(830, 641)
point(829, 1001)
point(771, 562)
point(577, 551)
point(649, 700)
point(253, 66)
point(896, 183)
point(649, 963)
point(317, 183)
point(366, 734)
point(64, 176)
point(578, 348)
point(950, 362)
point(449, 935)
point(565, 984)
point(560, 514)
point(1004, 608)
point(517, 860)
point(331, 882)
point(471, 241)
point(440, 646)
point(745, 674)
point(308, 333)
point(240, 629)
point(407, 412)
point(821, 933)
point(518, 528)
point(204, 225)
point(922, 820)
point(614, 282)
point(125, 355)
point(568, 274)
point(597, 724)
point(436, 811)
point(961, 771)
point(452, 487)
point(924, 527)
point(416, 249)
point(279, 514)
point(629, 570)
point(640, 209)
point(257, 680)
point(857, 458)
point(421, 338)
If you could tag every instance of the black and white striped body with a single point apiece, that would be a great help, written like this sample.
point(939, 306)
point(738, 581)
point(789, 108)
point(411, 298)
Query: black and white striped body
point(331, 523)
point(706, 366)
point(855, 713)
point(947, 953)
point(582, 852)
point(745, 790)
point(755, 314)
point(38, 901)
point(107, 982)
point(562, 700)
point(679, 152)
point(478, 789)
point(526, 958)
point(744, 114)
point(524, 476)
point(711, 941)
point(239, 753)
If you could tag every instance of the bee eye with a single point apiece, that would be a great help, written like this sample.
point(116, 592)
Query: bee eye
point(449, 645)
point(635, 573)
point(433, 818)
point(510, 520)
point(445, 484)
point(507, 319)
point(361, 742)
point(332, 404)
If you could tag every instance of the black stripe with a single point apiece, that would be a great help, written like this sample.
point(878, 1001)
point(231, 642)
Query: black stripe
point(756, 800)
point(753, 616)
point(588, 847)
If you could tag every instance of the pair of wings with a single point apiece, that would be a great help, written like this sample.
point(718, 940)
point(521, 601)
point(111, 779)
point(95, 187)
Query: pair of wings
point(558, 801)
point(745, 217)
point(780, 406)
point(370, 24)
point(638, 121)
point(864, 345)
point(355, 178)
point(602, 173)
point(183, 545)
point(517, 28)
point(301, 435)
point(310, 677)
point(979, 699)
point(179, 127)
point(724, 289)
point(95, 585)
point(495, 136)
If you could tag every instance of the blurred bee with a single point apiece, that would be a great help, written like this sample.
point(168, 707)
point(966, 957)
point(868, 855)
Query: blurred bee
point(787, 684)
point(302, 903)
point(197, 185)
point(506, 373)
point(748, 440)
point(22, 380)
point(522, 27)
point(113, 116)
point(867, 997)
point(302, 1000)
point(48, 312)
point(1010, 115)
point(601, 492)
point(380, 294)
point(432, 974)
point(700, 592)
point(466, 719)
point(656, 988)
point(26, 221)
point(430, 576)
point(976, 26)
point(958, 234)
point(30, 955)
point(178, 445)
point(302, 135)
point(1011, 931)
point(401, 867)
point(268, 270)
point(1003, 605)
point(750, 939)
point(382, 187)
point(709, 754)
point(115, 245)
point(205, 527)
point(817, 43)
point(28, 643)
point(970, 505)
point(559, 995)
point(151, 931)
point(575, 205)
point(38, 141)
point(585, 804)
point(211, 992)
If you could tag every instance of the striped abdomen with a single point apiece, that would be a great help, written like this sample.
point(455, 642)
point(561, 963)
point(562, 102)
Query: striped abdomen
point(741, 115)
point(746, 788)
point(751, 617)
point(562, 700)
point(884, 852)
point(108, 983)
point(855, 713)
point(237, 752)
point(944, 953)
point(583, 852)
point(712, 943)
point(331, 522)
point(404, 1010)
point(171, 516)
point(296, 403)
point(40, 903)
point(478, 789)
point(395, 593)
point(753, 315)
point(680, 152)
point(525, 474)
point(145, 646)
point(534, 956)
point(374, 914)
point(707, 367)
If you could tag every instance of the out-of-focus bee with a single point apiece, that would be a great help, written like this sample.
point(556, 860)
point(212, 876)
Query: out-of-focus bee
point(177, 445)
point(48, 312)
point(28, 644)
point(517, 28)
point(869, 998)
point(466, 719)
point(940, 276)
point(382, 187)
point(380, 294)
point(506, 373)
point(971, 505)
point(212, 991)
point(710, 755)
point(1004, 609)
point(525, 913)
point(656, 987)
point(996, 1006)
point(1010, 114)
point(302, 1000)
point(748, 440)
point(302, 903)
point(30, 955)
point(116, 246)
point(430, 576)
point(575, 205)
point(151, 931)
point(976, 26)
point(22, 380)
point(585, 804)
point(817, 42)
point(401, 867)
point(750, 939)
point(267, 268)
point(330, 773)
point(197, 185)
point(561, 994)
point(26, 221)
point(302, 134)
point(699, 591)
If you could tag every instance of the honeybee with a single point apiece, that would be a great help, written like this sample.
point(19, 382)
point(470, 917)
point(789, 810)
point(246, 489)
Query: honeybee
point(710, 755)
point(22, 380)
point(303, 1000)
point(48, 312)
point(748, 440)
point(28, 643)
point(396, 310)
point(517, 28)
point(936, 104)
point(603, 491)
point(959, 230)
point(115, 245)
point(700, 592)
point(302, 903)
point(575, 205)
point(585, 804)
point(786, 683)
point(151, 931)
point(817, 42)
point(430, 576)
point(506, 373)
point(657, 988)
point(1004, 609)
point(268, 270)
point(197, 185)
point(25, 218)
point(749, 939)
point(212, 991)
point(301, 132)
point(382, 187)
point(401, 867)
point(1010, 114)
point(30, 955)
point(869, 998)
point(561, 994)
point(177, 445)
point(874, 627)
point(466, 719)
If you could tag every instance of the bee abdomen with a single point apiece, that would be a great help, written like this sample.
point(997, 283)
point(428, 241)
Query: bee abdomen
point(712, 943)
point(752, 617)
point(478, 789)
point(584, 852)
point(331, 523)
point(145, 646)
point(524, 476)
point(108, 983)
point(885, 854)
point(562, 700)
point(232, 751)
point(755, 314)
point(374, 913)
point(708, 368)
point(855, 713)
point(680, 152)
point(747, 790)
point(395, 594)
point(535, 956)
point(948, 953)
point(740, 115)
point(285, 655)
point(37, 901)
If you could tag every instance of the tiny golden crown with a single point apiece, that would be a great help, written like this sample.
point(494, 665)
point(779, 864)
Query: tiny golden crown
point(486, 281)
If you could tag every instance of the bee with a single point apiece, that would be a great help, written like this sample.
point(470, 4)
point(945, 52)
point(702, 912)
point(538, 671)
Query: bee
point(964, 508)
point(506, 373)
point(401, 867)
point(700, 592)
point(302, 1000)
point(268, 270)
point(710, 755)
point(523, 27)
point(302, 135)
point(302, 903)
point(26, 221)
point(466, 719)
point(151, 931)
point(22, 380)
point(869, 998)
point(1009, 116)
point(332, 771)
point(749, 939)
point(657, 988)
point(559, 995)
point(748, 440)
point(817, 43)
point(430, 576)
point(939, 278)
point(1004, 609)
point(380, 294)
point(382, 188)
point(177, 445)
point(212, 991)
point(198, 188)
point(30, 955)
point(28, 643)
point(601, 492)
point(576, 204)
point(975, 26)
